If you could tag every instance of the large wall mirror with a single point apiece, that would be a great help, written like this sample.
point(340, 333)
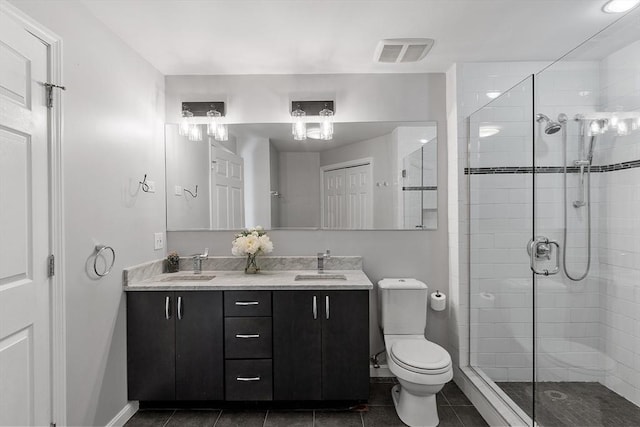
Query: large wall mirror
point(371, 176)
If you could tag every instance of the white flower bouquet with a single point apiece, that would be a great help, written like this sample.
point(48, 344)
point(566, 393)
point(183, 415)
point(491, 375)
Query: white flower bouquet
point(251, 242)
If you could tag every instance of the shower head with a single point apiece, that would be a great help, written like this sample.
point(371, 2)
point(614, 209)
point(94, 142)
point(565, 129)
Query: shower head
point(552, 127)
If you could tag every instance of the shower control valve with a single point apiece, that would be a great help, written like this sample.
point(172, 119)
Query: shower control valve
point(540, 248)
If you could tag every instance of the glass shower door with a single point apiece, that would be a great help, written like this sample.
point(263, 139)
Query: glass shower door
point(500, 179)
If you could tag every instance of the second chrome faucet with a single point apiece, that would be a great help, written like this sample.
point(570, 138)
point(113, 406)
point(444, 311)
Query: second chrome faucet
point(321, 258)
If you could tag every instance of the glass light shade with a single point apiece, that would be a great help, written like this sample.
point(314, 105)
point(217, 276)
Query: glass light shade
point(185, 123)
point(326, 124)
point(195, 133)
point(299, 125)
point(213, 117)
point(222, 133)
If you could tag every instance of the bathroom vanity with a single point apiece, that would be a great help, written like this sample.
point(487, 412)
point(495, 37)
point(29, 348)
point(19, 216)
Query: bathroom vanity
point(237, 337)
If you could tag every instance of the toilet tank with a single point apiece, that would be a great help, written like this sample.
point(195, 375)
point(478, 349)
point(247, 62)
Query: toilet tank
point(403, 306)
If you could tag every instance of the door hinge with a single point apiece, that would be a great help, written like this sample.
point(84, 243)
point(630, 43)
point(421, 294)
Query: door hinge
point(404, 173)
point(49, 88)
point(52, 265)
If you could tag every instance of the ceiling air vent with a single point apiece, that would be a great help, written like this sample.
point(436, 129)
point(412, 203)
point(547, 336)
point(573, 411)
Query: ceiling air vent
point(402, 50)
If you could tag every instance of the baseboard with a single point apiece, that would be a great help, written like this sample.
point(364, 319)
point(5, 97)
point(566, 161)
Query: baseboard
point(124, 415)
point(381, 372)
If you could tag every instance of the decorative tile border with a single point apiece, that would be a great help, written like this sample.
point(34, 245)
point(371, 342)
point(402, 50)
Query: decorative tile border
point(548, 169)
point(429, 188)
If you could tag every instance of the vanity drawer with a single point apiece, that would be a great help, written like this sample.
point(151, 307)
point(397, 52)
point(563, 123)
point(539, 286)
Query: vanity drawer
point(247, 303)
point(247, 337)
point(249, 379)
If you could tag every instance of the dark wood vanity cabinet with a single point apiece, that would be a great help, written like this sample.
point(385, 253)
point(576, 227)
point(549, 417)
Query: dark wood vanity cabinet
point(174, 345)
point(321, 345)
point(301, 345)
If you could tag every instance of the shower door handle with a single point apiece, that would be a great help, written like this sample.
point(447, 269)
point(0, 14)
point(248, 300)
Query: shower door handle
point(541, 248)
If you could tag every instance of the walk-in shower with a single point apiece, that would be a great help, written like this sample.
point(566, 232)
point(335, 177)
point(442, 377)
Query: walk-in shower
point(554, 323)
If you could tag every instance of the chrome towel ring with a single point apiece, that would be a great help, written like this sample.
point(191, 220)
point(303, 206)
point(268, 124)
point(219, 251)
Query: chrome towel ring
point(99, 250)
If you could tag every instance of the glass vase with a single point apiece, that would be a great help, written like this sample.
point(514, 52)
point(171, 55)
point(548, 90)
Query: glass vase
point(252, 266)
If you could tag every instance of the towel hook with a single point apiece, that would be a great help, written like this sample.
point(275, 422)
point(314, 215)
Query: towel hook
point(143, 184)
point(192, 194)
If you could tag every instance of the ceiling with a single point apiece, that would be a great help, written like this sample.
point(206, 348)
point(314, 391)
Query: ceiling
point(279, 134)
point(339, 36)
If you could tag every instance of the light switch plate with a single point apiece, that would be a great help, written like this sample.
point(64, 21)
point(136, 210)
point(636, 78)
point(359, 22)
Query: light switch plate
point(158, 239)
point(177, 190)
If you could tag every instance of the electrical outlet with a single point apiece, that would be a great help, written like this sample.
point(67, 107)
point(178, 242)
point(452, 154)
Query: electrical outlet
point(152, 186)
point(158, 241)
point(177, 190)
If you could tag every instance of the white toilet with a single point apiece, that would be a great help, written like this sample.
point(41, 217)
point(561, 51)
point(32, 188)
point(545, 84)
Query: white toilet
point(422, 367)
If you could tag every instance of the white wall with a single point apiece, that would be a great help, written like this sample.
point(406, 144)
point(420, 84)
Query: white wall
point(257, 197)
point(187, 165)
point(359, 97)
point(274, 160)
point(113, 135)
point(299, 177)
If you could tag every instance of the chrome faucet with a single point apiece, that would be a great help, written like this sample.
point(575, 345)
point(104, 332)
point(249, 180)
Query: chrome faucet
point(197, 261)
point(321, 258)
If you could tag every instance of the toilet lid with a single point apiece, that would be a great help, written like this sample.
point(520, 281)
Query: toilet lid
point(421, 356)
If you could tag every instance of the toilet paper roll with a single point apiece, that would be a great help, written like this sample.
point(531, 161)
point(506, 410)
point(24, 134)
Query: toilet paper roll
point(438, 301)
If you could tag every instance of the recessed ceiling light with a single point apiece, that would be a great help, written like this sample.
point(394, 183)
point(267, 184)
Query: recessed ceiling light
point(486, 131)
point(493, 95)
point(619, 6)
point(423, 140)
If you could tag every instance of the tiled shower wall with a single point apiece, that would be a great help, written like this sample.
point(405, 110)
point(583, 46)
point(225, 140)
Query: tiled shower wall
point(589, 330)
point(619, 228)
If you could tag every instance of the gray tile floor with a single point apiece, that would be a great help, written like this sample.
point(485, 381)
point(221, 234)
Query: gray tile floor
point(454, 410)
point(574, 404)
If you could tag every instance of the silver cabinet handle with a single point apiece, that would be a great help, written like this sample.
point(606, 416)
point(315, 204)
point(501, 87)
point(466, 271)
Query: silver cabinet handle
point(167, 303)
point(247, 335)
point(247, 378)
point(326, 305)
point(315, 307)
point(179, 308)
point(247, 303)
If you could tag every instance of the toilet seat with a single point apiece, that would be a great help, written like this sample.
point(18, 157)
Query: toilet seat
point(420, 356)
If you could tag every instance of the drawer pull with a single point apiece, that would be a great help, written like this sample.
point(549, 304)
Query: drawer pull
point(247, 303)
point(248, 379)
point(247, 335)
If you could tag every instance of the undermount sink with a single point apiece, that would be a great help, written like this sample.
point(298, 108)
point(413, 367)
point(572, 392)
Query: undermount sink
point(320, 277)
point(188, 278)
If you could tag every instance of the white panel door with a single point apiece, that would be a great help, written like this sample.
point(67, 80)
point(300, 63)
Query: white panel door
point(25, 386)
point(334, 211)
point(359, 201)
point(227, 186)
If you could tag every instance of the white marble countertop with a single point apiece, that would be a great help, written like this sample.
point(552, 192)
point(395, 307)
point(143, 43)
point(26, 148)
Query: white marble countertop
point(265, 280)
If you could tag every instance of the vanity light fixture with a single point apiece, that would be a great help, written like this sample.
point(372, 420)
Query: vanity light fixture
point(303, 112)
point(212, 114)
point(619, 6)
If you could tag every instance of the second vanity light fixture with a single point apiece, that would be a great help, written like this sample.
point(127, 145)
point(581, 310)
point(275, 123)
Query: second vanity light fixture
point(213, 112)
point(303, 112)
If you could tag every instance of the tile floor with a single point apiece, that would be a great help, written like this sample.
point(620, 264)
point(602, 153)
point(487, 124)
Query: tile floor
point(454, 408)
point(574, 404)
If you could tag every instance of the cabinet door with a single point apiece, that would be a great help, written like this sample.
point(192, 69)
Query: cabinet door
point(345, 345)
point(150, 346)
point(297, 369)
point(199, 353)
